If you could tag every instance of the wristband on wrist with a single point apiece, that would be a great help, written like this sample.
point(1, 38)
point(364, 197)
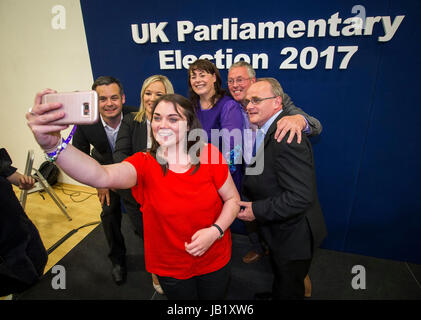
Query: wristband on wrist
point(55, 147)
point(53, 155)
point(219, 229)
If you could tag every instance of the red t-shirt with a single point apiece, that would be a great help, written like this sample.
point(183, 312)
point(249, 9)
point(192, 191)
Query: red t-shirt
point(174, 207)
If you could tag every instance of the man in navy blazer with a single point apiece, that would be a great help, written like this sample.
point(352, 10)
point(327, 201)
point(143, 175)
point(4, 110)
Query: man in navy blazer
point(282, 196)
point(102, 136)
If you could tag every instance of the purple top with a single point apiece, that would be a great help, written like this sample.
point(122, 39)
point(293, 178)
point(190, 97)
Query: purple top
point(225, 114)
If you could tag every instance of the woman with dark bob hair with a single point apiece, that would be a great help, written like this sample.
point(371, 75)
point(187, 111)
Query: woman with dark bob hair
point(220, 115)
point(187, 205)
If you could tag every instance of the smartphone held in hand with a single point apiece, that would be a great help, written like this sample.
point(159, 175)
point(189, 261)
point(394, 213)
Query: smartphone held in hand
point(80, 107)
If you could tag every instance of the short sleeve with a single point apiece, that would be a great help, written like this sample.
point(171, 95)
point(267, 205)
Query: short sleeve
point(6, 168)
point(138, 160)
point(217, 164)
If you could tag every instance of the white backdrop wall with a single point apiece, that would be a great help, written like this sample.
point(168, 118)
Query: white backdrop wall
point(34, 56)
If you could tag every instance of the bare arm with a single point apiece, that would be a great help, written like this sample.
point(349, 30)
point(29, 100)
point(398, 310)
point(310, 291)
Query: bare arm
point(87, 170)
point(204, 238)
point(74, 162)
point(229, 194)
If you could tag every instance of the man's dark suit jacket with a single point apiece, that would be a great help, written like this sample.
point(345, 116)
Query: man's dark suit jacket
point(94, 134)
point(284, 196)
point(132, 137)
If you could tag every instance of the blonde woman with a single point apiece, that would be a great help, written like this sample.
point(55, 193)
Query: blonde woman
point(134, 136)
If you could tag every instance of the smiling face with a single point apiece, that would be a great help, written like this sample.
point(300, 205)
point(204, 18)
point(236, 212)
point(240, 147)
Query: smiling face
point(238, 82)
point(110, 102)
point(169, 127)
point(152, 93)
point(202, 82)
point(262, 111)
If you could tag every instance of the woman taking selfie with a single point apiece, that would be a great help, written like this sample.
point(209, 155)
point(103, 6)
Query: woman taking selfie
point(187, 204)
point(134, 136)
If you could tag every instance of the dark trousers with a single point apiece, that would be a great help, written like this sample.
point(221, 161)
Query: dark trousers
point(210, 286)
point(133, 211)
point(111, 222)
point(254, 237)
point(288, 282)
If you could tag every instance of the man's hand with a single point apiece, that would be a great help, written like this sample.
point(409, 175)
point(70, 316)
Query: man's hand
point(21, 181)
point(294, 124)
point(104, 194)
point(26, 182)
point(246, 212)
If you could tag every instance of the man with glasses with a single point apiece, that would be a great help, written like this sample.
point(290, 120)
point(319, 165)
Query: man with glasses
point(241, 76)
point(283, 198)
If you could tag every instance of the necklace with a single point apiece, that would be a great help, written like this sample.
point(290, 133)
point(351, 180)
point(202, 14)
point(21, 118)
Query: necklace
point(206, 106)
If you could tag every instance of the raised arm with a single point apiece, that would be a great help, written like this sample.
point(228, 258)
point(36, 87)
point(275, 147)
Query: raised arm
point(75, 163)
point(87, 170)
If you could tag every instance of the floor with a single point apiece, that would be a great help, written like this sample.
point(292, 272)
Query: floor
point(82, 206)
point(335, 275)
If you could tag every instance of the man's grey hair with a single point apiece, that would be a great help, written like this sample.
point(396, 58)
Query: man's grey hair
point(242, 63)
point(275, 86)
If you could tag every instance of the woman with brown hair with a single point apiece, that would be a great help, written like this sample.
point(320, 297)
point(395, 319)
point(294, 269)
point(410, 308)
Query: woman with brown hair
point(217, 110)
point(187, 205)
point(134, 136)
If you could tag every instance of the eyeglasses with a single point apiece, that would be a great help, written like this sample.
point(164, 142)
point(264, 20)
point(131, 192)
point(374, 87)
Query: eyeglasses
point(239, 81)
point(254, 101)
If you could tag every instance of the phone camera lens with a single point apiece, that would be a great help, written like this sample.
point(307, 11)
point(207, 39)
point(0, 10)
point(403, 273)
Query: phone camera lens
point(86, 109)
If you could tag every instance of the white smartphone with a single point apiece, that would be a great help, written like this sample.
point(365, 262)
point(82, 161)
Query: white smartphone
point(80, 107)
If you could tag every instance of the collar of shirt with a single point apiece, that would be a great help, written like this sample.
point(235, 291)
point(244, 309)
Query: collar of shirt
point(261, 132)
point(148, 131)
point(111, 128)
point(268, 123)
point(111, 132)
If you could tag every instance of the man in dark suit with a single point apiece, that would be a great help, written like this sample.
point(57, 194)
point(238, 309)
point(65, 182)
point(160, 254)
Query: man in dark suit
point(282, 195)
point(132, 137)
point(102, 136)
